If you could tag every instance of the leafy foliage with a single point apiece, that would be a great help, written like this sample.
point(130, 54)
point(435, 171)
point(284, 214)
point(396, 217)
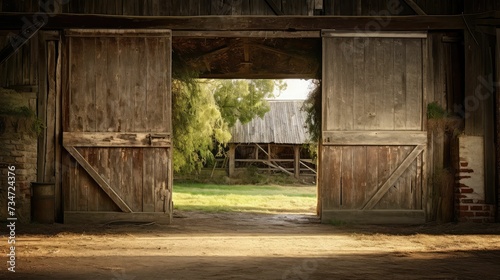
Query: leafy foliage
point(243, 99)
point(436, 111)
point(197, 123)
point(14, 105)
point(204, 110)
point(312, 106)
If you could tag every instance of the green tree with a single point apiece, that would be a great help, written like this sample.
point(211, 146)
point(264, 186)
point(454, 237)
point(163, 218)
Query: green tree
point(203, 111)
point(244, 99)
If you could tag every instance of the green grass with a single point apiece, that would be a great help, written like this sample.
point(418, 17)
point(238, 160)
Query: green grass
point(244, 198)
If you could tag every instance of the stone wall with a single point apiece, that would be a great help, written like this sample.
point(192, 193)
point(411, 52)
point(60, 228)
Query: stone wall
point(18, 148)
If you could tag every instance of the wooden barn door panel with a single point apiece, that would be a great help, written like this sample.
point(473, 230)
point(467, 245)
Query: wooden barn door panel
point(374, 138)
point(117, 125)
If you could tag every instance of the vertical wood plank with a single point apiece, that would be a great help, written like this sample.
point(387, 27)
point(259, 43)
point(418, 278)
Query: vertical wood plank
point(102, 88)
point(359, 82)
point(414, 84)
point(148, 181)
point(372, 177)
point(136, 180)
point(371, 92)
point(89, 84)
point(154, 101)
point(346, 185)
point(399, 85)
point(77, 98)
point(113, 79)
point(386, 109)
point(126, 182)
point(160, 178)
point(93, 189)
point(82, 184)
point(50, 141)
point(166, 87)
point(356, 195)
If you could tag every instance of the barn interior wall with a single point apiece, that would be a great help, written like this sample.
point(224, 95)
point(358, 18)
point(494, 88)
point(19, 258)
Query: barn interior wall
point(18, 145)
point(247, 7)
point(478, 109)
point(446, 89)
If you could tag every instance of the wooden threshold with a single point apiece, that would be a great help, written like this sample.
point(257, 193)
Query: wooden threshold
point(373, 216)
point(81, 217)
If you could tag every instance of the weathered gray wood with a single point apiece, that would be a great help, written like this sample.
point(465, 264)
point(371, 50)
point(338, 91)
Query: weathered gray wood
point(394, 177)
point(148, 182)
point(368, 34)
point(116, 139)
point(247, 34)
point(98, 178)
point(83, 218)
point(415, 92)
point(374, 216)
point(374, 137)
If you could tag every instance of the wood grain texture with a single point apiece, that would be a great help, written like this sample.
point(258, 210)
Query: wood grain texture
point(401, 168)
point(97, 177)
point(373, 138)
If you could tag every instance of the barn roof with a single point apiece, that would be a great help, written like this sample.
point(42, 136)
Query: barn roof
point(283, 124)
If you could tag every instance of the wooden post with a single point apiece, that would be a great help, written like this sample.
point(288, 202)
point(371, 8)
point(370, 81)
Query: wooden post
point(232, 148)
point(296, 160)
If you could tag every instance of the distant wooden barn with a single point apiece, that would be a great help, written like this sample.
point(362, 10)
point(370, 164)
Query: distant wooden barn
point(276, 142)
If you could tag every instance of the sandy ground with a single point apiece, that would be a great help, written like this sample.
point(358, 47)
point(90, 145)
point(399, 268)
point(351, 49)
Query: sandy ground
point(254, 246)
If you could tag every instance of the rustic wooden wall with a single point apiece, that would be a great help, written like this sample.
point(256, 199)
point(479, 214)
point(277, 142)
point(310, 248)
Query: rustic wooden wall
point(373, 99)
point(21, 68)
point(248, 7)
point(117, 83)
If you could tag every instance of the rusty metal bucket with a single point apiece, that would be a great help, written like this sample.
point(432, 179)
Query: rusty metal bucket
point(43, 203)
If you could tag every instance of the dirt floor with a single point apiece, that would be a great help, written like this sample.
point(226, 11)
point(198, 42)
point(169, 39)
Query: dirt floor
point(254, 246)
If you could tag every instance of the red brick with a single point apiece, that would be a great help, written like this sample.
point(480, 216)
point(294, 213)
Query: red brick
point(483, 214)
point(475, 207)
point(466, 170)
point(463, 177)
point(466, 190)
point(466, 214)
point(464, 207)
point(464, 164)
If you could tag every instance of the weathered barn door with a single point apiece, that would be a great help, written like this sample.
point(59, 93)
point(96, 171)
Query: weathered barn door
point(374, 139)
point(117, 125)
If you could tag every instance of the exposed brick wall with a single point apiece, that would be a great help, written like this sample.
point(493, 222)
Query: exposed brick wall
point(470, 204)
point(18, 147)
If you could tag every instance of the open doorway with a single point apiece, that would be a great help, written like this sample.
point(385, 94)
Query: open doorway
point(267, 165)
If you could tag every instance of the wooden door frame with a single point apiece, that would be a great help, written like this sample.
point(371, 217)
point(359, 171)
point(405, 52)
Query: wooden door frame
point(418, 139)
point(71, 141)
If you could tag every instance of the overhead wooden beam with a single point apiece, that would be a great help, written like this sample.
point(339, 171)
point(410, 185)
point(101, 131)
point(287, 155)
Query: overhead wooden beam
point(277, 11)
point(245, 23)
point(415, 7)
